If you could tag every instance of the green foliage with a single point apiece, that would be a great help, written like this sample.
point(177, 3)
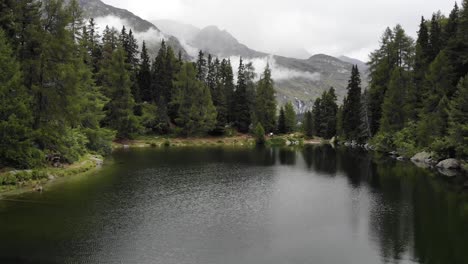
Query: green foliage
point(119, 110)
point(265, 105)
point(308, 124)
point(324, 114)
point(259, 133)
point(352, 107)
point(99, 140)
point(458, 120)
point(197, 114)
point(289, 118)
point(282, 121)
point(16, 145)
point(393, 107)
point(404, 141)
point(242, 108)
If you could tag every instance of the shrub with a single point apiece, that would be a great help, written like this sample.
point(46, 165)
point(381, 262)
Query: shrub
point(259, 134)
point(99, 140)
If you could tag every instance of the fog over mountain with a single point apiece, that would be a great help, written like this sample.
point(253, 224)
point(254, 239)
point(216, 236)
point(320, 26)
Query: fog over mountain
point(299, 79)
point(334, 27)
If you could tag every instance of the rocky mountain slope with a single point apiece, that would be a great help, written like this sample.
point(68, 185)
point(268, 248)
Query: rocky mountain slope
point(298, 80)
point(143, 29)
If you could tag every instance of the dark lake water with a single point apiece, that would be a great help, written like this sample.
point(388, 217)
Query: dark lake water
point(234, 206)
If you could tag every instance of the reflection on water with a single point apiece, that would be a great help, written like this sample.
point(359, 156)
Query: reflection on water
point(312, 205)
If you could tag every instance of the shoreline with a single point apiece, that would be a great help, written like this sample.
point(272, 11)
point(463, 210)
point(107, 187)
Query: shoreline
point(36, 179)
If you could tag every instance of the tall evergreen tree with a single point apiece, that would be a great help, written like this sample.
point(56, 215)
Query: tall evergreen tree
point(220, 99)
point(290, 118)
point(421, 62)
point(144, 75)
point(451, 28)
point(201, 67)
point(16, 146)
point(242, 111)
point(227, 80)
point(329, 111)
point(282, 121)
point(317, 117)
point(435, 38)
point(119, 110)
point(265, 106)
point(393, 108)
point(308, 124)
point(197, 114)
point(352, 106)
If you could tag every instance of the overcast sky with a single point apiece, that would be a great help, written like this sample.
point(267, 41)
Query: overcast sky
point(334, 27)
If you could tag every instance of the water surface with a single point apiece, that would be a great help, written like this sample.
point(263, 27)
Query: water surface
point(231, 206)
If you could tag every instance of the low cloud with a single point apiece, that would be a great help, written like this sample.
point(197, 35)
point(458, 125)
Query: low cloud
point(278, 72)
point(150, 36)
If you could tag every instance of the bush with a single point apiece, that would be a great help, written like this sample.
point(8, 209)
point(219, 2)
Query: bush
point(73, 145)
point(39, 175)
point(259, 134)
point(9, 179)
point(404, 141)
point(277, 141)
point(383, 142)
point(99, 140)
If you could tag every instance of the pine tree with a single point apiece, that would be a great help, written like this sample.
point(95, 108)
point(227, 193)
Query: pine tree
point(421, 62)
point(119, 110)
point(290, 118)
point(227, 80)
point(317, 117)
point(242, 111)
point(282, 121)
point(220, 99)
point(381, 65)
point(396, 51)
point(329, 111)
point(144, 76)
point(265, 106)
point(29, 40)
point(201, 67)
point(451, 28)
point(16, 146)
point(197, 114)
point(77, 20)
point(130, 46)
point(308, 125)
point(94, 45)
point(352, 106)
point(435, 38)
point(158, 71)
point(438, 81)
point(394, 116)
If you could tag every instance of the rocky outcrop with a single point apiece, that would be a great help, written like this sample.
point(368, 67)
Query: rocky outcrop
point(449, 164)
point(424, 157)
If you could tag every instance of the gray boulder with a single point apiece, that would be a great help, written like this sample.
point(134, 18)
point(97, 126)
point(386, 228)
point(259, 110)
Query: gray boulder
point(449, 164)
point(422, 157)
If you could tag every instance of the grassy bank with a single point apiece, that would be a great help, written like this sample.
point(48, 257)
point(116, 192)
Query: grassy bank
point(18, 181)
point(234, 141)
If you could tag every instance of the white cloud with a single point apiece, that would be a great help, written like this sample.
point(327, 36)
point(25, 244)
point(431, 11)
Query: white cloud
point(278, 72)
point(151, 35)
